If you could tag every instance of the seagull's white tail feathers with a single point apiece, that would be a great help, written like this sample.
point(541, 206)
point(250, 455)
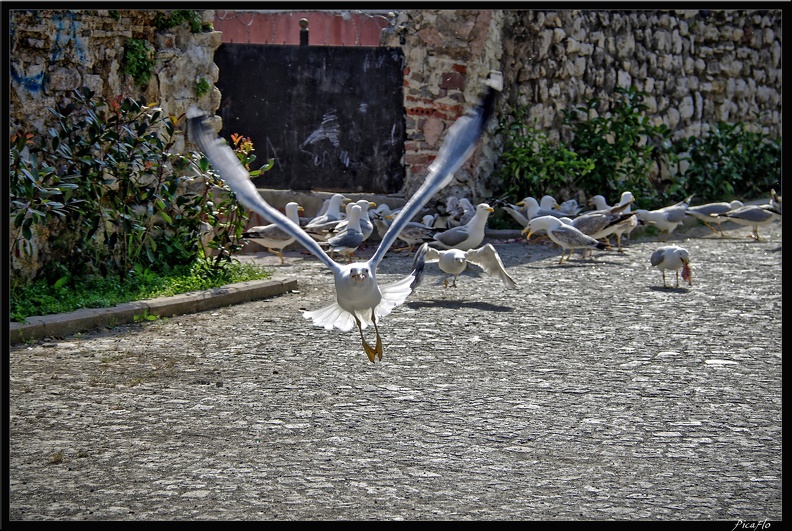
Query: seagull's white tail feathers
point(393, 295)
point(331, 316)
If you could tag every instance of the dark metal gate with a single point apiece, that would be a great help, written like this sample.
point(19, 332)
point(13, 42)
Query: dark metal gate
point(332, 117)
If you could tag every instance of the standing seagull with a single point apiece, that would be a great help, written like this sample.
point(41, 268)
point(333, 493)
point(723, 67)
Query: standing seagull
point(468, 236)
point(775, 201)
point(360, 299)
point(751, 216)
point(667, 218)
point(320, 226)
point(535, 209)
point(675, 258)
point(366, 226)
point(348, 240)
point(272, 236)
point(704, 213)
point(566, 236)
point(453, 262)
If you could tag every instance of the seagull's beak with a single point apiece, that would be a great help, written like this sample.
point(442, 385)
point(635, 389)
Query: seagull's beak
point(300, 209)
point(372, 204)
point(521, 203)
point(490, 209)
point(529, 231)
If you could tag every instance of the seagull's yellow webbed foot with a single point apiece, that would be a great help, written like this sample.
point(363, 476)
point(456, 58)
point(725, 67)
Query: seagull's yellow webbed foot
point(371, 352)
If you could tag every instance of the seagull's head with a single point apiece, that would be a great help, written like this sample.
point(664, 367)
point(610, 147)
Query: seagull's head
point(359, 274)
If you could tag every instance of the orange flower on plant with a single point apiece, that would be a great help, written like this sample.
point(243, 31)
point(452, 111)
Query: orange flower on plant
point(115, 103)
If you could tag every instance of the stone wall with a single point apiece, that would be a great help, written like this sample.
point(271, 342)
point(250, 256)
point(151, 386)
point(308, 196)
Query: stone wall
point(52, 52)
point(698, 67)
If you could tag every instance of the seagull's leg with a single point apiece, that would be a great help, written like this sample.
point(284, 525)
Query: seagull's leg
point(562, 256)
point(710, 227)
point(677, 277)
point(454, 284)
point(370, 352)
point(378, 348)
point(280, 254)
point(664, 281)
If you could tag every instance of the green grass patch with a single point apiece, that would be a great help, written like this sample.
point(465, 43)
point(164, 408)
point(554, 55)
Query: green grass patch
point(43, 298)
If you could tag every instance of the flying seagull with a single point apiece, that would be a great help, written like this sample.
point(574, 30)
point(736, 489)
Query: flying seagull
point(453, 262)
point(360, 299)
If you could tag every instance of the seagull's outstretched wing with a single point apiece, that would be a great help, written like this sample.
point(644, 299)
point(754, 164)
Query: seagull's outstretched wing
point(225, 161)
point(487, 258)
point(459, 143)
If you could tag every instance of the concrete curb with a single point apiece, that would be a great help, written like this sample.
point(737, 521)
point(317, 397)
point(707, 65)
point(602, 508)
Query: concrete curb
point(65, 324)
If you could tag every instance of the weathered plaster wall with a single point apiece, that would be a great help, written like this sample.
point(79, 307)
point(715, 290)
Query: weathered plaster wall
point(52, 52)
point(698, 67)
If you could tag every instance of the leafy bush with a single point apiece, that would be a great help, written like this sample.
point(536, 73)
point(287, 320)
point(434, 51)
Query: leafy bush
point(107, 195)
point(621, 150)
point(531, 164)
point(730, 161)
point(622, 144)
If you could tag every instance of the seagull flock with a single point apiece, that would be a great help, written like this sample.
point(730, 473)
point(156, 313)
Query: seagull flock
point(452, 236)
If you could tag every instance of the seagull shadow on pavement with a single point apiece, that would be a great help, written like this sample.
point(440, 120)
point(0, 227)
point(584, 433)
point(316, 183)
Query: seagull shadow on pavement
point(670, 290)
point(456, 304)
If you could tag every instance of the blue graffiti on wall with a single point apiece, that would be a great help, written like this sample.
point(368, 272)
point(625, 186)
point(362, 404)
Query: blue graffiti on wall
point(30, 83)
point(67, 32)
point(67, 26)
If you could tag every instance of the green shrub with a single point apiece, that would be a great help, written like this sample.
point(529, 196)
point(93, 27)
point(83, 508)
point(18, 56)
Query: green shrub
point(533, 165)
point(202, 87)
point(623, 146)
point(730, 162)
point(110, 196)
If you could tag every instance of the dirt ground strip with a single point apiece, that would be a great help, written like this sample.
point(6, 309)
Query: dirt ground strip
point(589, 393)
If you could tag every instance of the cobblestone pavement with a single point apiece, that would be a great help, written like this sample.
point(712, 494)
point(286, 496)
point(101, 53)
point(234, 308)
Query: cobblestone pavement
point(589, 393)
